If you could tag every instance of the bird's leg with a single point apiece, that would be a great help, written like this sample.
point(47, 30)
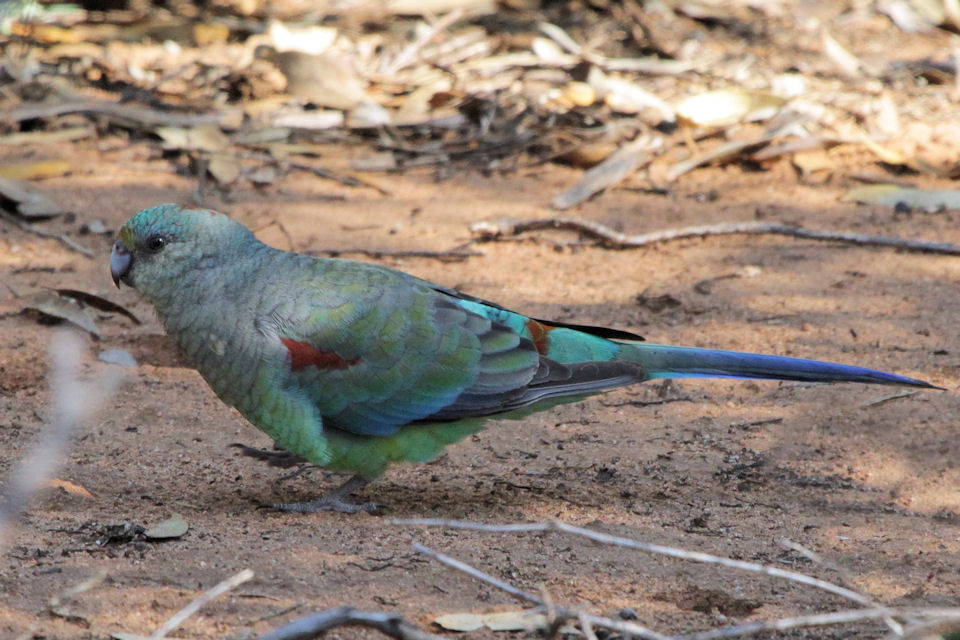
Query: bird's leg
point(278, 457)
point(336, 500)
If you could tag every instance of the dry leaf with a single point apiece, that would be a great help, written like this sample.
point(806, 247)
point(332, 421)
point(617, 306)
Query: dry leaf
point(311, 40)
point(35, 170)
point(625, 97)
point(326, 80)
point(173, 527)
point(725, 151)
point(727, 106)
point(627, 159)
point(580, 94)
point(204, 137)
point(588, 155)
point(224, 168)
point(205, 34)
point(312, 120)
point(263, 175)
point(27, 201)
point(48, 303)
point(367, 114)
point(502, 621)
point(891, 195)
point(434, 7)
point(69, 487)
point(846, 62)
point(47, 137)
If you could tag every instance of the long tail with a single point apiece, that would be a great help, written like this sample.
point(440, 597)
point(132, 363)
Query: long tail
point(665, 361)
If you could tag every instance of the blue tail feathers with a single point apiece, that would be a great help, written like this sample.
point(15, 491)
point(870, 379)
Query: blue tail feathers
point(665, 361)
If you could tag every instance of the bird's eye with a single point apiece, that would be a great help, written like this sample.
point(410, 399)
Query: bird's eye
point(156, 243)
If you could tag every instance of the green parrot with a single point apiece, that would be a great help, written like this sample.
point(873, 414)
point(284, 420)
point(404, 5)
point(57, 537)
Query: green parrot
point(353, 366)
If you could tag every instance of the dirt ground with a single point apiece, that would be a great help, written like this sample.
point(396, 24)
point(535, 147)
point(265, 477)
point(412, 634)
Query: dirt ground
point(866, 477)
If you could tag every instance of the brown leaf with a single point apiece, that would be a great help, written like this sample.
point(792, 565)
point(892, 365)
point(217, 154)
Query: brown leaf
point(69, 487)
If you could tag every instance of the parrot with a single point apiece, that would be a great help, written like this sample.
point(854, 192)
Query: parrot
point(354, 366)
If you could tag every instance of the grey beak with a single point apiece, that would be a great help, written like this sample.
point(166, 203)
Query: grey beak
point(120, 261)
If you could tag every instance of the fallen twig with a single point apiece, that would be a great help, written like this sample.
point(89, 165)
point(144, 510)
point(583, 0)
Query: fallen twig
point(917, 617)
point(29, 228)
point(491, 230)
point(411, 52)
point(177, 619)
point(560, 614)
point(127, 112)
point(886, 399)
point(314, 626)
point(672, 552)
point(821, 619)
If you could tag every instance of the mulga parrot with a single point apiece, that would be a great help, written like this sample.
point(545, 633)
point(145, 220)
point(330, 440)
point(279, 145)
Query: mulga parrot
point(353, 366)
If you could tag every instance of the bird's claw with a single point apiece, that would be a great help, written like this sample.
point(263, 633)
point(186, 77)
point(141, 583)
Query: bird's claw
point(328, 503)
point(276, 458)
point(336, 500)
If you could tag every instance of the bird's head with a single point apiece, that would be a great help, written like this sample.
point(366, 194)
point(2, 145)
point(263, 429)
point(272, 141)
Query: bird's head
point(163, 246)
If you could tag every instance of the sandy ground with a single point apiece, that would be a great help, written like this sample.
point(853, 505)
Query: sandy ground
point(866, 477)
point(724, 467)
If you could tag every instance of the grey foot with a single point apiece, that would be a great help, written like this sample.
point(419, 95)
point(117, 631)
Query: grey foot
point(276, 458)
point(336, 500)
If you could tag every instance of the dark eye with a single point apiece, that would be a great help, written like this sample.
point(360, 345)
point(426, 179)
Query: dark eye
point(156, 243)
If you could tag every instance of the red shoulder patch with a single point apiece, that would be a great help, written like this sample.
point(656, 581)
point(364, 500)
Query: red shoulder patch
point(303, 355)
point(540, 334)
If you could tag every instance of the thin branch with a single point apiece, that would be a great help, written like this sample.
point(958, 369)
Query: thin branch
point(476, 573)
point(672, 552)
point(177, 619)
point(820, 619)
point(29, 228)
point(314, 626)
point(117, 111)
point(891, 398)
point(491, 230)
point(918, 617)
point(559, 613)
point(895, 627)
point(411, 52)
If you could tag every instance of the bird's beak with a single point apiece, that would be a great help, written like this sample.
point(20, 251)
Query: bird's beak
point(120, 261)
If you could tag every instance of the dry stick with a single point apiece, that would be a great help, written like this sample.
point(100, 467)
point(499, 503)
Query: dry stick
point(672, 552)
point(628, 628)
point(115, 110)
point(177, 619)
point(895, 627)
point(820, 619)
point(618, 240)
point(874, 612)
point(316, 625)
point(410, 53)
point(29, 228)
